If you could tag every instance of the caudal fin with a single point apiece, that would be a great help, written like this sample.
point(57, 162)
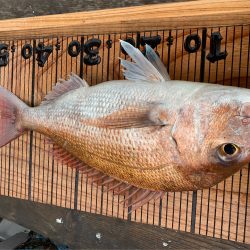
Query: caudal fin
point(10, 109)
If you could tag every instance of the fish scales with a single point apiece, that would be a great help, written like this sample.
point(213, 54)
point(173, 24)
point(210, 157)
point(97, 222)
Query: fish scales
point(140, 158)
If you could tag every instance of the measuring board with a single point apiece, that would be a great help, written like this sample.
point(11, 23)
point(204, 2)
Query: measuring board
point(211, 45)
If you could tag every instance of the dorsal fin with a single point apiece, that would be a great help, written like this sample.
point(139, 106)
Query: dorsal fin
point(156, 61)
point(64, 86)
point(143, 69)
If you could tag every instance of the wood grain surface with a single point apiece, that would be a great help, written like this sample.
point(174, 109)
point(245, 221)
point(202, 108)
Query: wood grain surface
point(28, 171)
point(193, 14)
point(82, 230)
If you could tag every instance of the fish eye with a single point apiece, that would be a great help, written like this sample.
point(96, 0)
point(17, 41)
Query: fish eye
point(228, 152)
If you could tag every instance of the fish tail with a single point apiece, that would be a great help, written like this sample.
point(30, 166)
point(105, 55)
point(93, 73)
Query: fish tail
point(11, 108)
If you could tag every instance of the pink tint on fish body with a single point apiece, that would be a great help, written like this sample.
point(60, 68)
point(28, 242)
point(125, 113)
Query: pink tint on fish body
point(142, 136)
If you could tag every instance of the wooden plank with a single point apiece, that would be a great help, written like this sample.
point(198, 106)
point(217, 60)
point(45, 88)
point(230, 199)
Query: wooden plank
point(85, 230)
point(222, 211)
point(27, 171)
point(202, 13)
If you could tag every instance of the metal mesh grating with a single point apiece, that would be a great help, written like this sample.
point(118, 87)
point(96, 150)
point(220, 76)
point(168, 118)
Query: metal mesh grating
point(28, 171)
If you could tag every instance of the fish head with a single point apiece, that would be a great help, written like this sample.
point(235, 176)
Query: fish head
point(213, 135)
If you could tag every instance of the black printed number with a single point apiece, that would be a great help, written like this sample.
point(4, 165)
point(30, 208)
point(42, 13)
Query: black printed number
point(215, 53)
point(4, 54)
point(43, 53)
point(26, 51)
point(91, 48)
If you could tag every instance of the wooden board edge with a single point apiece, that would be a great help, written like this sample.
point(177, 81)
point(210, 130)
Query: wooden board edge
point(85, 230)
point(179, 15)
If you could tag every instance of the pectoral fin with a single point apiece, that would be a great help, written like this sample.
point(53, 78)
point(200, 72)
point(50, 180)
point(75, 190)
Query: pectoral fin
point(133, 117)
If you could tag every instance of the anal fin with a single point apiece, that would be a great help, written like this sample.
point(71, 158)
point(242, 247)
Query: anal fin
point(134, 197)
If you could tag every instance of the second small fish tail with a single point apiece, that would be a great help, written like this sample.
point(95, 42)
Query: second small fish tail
point(11, 108)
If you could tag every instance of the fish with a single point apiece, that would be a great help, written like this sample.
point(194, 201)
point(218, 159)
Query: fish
point(142, 136)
